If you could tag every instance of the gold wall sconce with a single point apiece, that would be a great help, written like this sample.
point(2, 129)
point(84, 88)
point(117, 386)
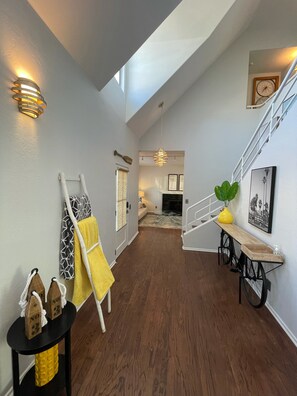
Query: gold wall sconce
point(28, 95)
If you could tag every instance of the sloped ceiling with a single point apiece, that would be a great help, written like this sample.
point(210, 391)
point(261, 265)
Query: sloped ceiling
point(101, 35)
point(230, 27)
point(166, 50)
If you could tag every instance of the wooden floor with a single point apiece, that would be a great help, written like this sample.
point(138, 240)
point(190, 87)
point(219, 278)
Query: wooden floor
point(176, 329)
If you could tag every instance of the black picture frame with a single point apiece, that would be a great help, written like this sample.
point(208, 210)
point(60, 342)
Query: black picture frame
point(172, 182)
point(262, 198)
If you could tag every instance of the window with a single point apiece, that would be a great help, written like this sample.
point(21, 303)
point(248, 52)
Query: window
point(119, 76)
point(121, 203)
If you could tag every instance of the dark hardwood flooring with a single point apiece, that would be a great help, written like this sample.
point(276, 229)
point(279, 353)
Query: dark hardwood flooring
point(176, 329)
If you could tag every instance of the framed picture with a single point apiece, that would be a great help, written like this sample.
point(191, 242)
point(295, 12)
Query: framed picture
point(262, 198)
point(181, 182)
point(172, 182)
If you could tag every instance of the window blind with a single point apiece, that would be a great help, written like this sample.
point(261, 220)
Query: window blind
point(121, 210)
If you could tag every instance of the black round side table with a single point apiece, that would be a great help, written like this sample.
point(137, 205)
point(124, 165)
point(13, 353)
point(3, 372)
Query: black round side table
point(55, 331)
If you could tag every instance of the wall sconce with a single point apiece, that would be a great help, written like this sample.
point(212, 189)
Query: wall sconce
point(28, 95)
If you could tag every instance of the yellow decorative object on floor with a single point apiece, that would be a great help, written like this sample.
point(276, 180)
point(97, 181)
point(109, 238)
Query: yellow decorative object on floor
point(225, 216)
point(46, 365)
point(101, 274)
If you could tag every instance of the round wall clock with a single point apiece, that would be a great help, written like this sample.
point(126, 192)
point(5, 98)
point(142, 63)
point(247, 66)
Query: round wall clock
point(263, 88)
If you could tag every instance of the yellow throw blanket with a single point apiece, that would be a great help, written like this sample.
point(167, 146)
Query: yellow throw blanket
point(102, 276)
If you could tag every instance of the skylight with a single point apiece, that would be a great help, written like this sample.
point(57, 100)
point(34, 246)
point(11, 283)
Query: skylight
point(119, 76)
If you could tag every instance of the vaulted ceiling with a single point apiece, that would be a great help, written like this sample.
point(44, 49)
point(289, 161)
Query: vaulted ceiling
point(103, 36)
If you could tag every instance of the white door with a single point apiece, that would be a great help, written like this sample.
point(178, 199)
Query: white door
point(122, 210)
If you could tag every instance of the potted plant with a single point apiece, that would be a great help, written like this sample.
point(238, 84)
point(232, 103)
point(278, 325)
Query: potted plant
point(226, 192)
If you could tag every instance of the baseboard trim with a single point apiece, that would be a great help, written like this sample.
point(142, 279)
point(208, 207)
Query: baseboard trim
point(282, 324)
point(132, 239)
point(112, 264)
point(80, 306)
point(200, 249)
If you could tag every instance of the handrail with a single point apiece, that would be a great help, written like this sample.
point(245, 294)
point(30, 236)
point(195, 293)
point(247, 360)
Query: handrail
point(200, 225)
point(260, 137)
point(289, 79)
point(193, 206)
point(205, 207)
point(284, 82)
point(209, 213)
point(197, 203)
point(205, 216)
point(209, 197)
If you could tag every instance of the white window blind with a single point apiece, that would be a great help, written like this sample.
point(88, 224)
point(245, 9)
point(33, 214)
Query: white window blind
point(121, 211)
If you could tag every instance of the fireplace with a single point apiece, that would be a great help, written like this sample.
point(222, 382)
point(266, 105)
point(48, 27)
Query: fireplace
point(172, 203)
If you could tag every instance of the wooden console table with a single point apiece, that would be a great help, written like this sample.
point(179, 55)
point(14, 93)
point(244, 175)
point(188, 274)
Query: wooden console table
point(251, 246)
point(55, 331)
point(249, 264)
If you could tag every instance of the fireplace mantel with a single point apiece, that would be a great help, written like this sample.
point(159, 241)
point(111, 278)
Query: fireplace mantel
point(172, 192)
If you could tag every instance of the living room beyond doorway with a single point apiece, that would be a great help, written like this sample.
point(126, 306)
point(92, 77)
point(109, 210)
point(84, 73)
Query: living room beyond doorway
point(161, 190)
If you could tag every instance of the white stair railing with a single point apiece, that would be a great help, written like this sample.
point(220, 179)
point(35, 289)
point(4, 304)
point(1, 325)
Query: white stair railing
point(201, 213)
point(207, 209)
point(275, 113)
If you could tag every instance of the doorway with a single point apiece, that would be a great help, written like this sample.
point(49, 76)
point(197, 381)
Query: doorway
point(161, 190)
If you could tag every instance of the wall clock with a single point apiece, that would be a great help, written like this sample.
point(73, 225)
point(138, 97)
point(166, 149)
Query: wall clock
point(263, 88)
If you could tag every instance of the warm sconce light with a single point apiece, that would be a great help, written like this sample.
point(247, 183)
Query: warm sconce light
point(28, 95)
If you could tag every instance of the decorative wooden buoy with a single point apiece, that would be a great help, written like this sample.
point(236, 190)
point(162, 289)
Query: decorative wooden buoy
point(36, 285)
point(33, 318)
point(54, 303)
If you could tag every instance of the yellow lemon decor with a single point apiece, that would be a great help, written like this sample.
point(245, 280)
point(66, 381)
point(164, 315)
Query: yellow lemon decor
point(225, 216)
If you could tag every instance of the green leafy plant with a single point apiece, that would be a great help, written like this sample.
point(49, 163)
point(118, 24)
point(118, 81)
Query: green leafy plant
point(226, 192)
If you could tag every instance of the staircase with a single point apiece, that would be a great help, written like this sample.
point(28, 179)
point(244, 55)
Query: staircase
point(207, 209)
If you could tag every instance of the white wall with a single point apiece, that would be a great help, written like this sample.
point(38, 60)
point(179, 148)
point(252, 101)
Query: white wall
point(211, 122)
point(153, 181)
point(280, 152)
point(77, 133)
